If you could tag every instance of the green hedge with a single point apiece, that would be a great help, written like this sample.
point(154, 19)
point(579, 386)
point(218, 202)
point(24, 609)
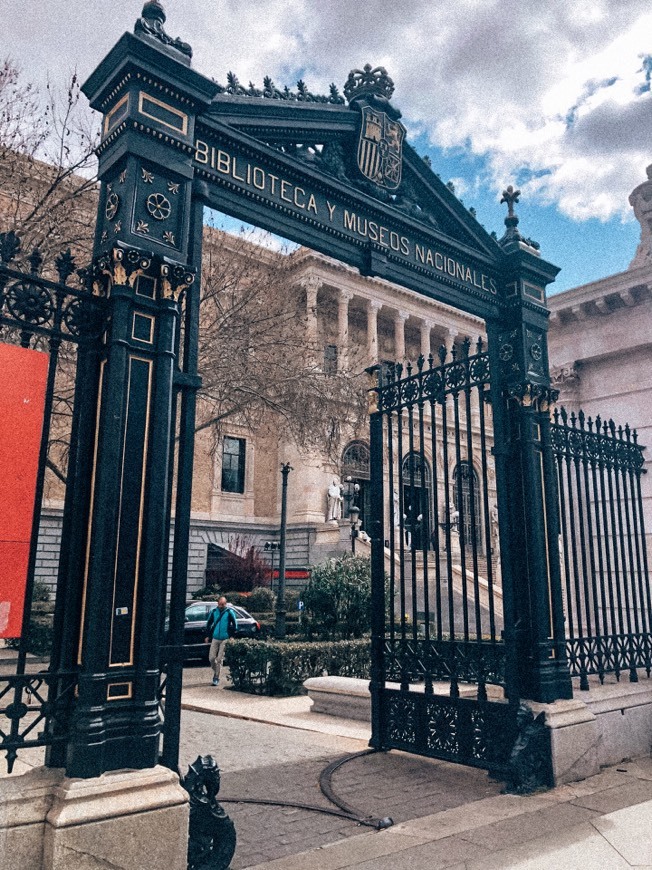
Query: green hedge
point(273, 668)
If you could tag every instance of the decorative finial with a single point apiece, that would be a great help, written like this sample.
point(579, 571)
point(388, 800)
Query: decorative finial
point(367, 82)
point(151, 23)
point(510, 196)
point(512, 234)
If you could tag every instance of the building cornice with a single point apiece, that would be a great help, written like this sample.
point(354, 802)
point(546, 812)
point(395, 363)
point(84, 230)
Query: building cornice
point(599, 298)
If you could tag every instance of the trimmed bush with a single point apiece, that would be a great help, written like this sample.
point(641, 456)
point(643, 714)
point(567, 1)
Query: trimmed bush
point(207, 593)
point(292, 598)
point(274, 668)
point(239, 599)
point(337, 599)
point(261, 600)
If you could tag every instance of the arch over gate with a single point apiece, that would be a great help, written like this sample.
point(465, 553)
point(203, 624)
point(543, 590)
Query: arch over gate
point(334, 173)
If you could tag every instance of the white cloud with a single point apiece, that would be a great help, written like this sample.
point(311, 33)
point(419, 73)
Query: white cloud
point(548, 94)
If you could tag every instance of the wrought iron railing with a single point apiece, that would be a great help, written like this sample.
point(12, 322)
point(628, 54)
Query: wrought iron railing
point(54, 317)
point(603, 548)
point(28, 716)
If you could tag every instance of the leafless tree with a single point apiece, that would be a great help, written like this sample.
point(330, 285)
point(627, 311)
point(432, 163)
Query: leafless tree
point(47, 165)
point(257, 365)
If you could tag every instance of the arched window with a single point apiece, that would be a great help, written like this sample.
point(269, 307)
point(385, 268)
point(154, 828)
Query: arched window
point(465, 478)
point(417, 500)
point(355, 479)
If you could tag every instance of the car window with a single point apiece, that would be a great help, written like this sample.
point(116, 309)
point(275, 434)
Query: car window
point(197, 613)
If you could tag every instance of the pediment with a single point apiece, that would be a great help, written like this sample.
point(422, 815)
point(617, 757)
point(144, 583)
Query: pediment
point(323, 132)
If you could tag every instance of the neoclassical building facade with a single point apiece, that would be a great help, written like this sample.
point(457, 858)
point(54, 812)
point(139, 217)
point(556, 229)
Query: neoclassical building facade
point(347, 322)
point(600, 343)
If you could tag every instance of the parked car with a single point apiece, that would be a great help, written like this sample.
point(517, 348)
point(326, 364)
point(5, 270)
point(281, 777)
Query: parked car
point(194, 630)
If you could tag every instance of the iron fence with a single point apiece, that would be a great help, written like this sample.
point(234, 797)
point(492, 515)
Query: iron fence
point(444, 603)
point(603, 549)
point(53, 317)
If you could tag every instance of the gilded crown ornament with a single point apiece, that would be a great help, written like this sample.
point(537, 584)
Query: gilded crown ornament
point(368, 81)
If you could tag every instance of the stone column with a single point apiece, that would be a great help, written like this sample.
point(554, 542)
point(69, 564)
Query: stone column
point(343, 329)
point(426, 327)
point(451, 335)
point(399, 334)
point(372, 329)
point(311, 284)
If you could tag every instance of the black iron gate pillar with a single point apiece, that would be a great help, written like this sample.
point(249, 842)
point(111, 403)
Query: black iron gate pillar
point(526, 487)
point(149, 98)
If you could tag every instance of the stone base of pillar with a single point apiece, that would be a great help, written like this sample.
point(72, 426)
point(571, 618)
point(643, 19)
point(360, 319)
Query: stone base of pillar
point(126, 819)
point(119, 819)
point(598, 728)
point(25, 801)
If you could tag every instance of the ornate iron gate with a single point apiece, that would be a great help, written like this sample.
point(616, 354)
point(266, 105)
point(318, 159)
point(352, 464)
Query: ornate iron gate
point(604, 561)
point(443, 661)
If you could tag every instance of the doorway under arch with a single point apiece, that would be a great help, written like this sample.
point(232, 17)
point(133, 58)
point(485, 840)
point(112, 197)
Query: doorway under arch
point(465, 482)
point(355, 480)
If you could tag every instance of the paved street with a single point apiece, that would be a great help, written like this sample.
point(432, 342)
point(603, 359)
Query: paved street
point(446, 816)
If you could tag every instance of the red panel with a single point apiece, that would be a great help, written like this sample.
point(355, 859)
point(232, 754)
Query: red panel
point(22, 396)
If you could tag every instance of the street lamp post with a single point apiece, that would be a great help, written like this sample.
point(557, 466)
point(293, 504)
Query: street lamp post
point(286, 468)
point(450, 526)
point(354, 513)
point(272, 547)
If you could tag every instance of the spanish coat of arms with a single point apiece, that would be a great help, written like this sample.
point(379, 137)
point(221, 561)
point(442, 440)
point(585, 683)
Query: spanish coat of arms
point(380, 148)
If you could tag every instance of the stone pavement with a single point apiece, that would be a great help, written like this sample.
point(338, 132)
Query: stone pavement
point(447, 816)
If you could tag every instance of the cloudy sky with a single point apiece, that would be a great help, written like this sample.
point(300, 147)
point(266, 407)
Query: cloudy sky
point(552, 96)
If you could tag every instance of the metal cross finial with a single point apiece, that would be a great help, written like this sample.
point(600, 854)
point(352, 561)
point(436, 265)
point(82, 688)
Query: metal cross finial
point(510, 196)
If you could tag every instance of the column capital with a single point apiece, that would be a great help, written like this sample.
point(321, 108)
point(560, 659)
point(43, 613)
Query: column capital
point(375, 304)
point(311, 282)
point(400, 316)
point(345, 295)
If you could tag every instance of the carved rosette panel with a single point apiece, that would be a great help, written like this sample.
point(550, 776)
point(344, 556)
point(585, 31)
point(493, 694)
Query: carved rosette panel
point(509, 353)
point(535, 353)
point(442, 728)
point(402, 720)
point(158, 207)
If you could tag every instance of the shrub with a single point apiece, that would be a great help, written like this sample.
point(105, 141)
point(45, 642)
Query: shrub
point(292, 598)
point(261, 600)
point(277, 668)
point(240, 568)
point(207, 593)
point(239, 599)
point(337, 599)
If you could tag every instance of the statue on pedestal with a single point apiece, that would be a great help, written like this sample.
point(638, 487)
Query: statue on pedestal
point(493, 519)
point(334, 502)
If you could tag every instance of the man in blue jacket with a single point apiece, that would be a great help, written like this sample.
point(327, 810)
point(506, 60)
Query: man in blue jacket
point(220, 627)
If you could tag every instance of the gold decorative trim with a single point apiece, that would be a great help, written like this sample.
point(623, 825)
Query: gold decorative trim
point(132, 358)
point(183, 129)
point(90, 513)
point(119, 691)
point(150, 319)
point(112, 113)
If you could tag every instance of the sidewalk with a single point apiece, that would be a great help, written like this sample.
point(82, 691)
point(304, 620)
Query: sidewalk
point(446, 815)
